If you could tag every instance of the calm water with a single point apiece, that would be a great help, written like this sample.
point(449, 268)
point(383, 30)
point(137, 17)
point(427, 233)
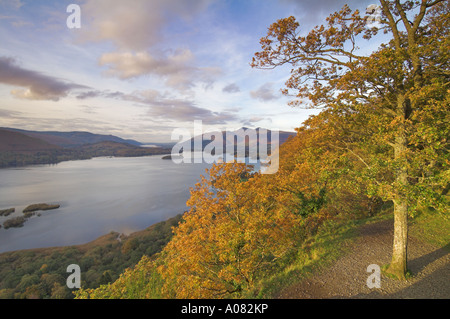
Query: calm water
point(96, 196)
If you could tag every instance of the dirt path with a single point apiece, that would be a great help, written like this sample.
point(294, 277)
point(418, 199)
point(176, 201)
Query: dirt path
point(347, 277)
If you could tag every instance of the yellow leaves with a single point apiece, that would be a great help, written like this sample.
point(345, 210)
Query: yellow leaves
point(226, 236)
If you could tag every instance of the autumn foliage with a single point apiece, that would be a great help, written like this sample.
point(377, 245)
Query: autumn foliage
point(232, 231)
point(241, 227)
point(382, 136)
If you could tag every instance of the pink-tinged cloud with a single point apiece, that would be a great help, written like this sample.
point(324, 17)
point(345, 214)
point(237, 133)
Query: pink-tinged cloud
point(33, 85)
point(177, 69)
point(135, 25)
point(264, 93)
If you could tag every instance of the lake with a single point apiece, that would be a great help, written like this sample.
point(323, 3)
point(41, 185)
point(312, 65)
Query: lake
point(97, 196)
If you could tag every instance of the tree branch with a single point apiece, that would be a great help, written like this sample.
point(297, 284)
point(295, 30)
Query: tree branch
point(392, 23)
point(429, 5)
point(402, 13)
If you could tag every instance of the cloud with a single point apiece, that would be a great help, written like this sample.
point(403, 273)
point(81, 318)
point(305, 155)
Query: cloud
point(15, 21)
point(128, 65)
point(162, 106)
point(231, 88)
point(138, 31)
point(264, 93)
point(110, 95)
point(36, 86)
point(176, 69)
point(88, 95)
point(165, 107)
point(185, 111)
point(15, 4)
point(9, 114)
point(256, 119)
point(88, 109)
point(41, 123)
point(135, 25)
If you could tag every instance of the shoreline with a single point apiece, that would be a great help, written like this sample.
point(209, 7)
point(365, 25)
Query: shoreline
point(119, 237)
point(77, 159)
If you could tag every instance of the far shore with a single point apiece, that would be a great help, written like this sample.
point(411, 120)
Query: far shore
point(77, 159)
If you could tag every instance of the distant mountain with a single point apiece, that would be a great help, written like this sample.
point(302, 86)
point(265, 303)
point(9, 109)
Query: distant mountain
point(21, 148)
point(239, 136)
point(11, 141)
point(72, 139)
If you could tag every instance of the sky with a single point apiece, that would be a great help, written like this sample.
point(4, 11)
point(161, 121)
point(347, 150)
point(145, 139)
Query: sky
point(142, 68)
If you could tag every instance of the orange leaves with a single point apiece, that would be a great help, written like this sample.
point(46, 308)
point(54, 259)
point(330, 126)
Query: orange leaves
point(316, 56)
point(232, 231)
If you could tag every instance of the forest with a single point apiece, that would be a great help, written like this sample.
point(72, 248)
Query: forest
point(42, 274)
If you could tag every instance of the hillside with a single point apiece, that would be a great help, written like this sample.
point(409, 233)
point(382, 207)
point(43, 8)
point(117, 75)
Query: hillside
point(17, 142)
point(73, 139)
point(41, 273)
point(21, 148)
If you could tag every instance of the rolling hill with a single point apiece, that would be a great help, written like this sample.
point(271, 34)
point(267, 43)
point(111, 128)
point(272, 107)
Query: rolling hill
point(11, 141)
point(21, 148)
point(72, 139)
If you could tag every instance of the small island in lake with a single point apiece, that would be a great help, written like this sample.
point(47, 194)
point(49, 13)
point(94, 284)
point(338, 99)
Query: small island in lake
point(36, 207)
point(28, 212)
point(15, 222)
point(169, 157)
point(7, 212)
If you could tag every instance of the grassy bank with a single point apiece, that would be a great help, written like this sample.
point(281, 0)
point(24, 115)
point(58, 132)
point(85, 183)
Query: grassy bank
point(432, 227)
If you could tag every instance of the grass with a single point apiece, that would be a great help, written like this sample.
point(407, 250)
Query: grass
point(429, 226)
point(384, 269)
point(432, 227)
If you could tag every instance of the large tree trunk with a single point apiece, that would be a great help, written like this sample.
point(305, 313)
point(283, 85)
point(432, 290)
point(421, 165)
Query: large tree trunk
point(398, 266)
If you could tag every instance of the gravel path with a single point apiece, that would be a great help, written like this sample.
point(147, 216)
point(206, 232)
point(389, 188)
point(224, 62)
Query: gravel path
point(347, 277)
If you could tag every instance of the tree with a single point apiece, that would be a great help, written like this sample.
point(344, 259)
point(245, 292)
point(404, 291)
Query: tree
point(389, 108)
point(234, 231)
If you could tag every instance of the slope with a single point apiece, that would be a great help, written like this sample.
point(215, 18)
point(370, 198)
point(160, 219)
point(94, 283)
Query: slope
point(18, 142)
point(73, 139)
